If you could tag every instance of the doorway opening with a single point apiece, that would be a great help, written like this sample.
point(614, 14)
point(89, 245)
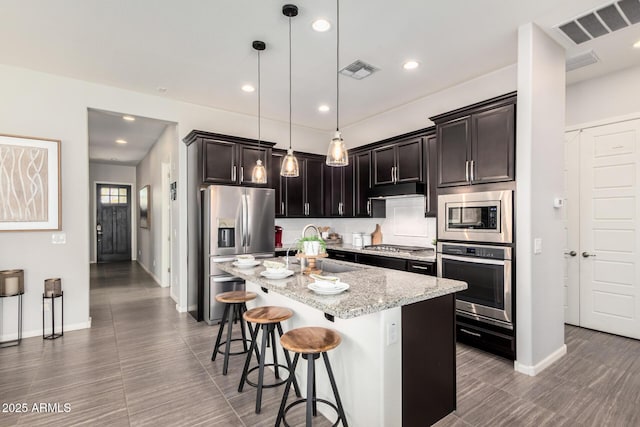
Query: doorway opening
point(113, 222)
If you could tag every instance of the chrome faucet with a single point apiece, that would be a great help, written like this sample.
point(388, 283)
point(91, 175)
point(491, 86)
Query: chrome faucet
point(308, 226)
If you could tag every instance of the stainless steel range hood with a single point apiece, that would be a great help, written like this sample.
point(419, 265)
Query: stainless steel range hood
point(407, 189)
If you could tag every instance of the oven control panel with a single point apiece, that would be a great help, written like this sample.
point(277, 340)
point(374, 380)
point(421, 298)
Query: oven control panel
point(492, 252)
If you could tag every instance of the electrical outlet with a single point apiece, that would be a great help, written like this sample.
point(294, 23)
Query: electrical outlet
point(392, 333)
point(154, 262)
point(537, 245)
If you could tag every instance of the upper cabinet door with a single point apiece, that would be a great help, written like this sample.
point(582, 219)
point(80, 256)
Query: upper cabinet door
point(348, 195)
point(410, 160)
point(362, 183)
point(277, 183)
point(493, 145)
point(314, 178)
point(333, 190)
point(453, 152)
point(249, 155)
point(294, 195)
point(431, 200)
point(384, 162)
point(220, 165)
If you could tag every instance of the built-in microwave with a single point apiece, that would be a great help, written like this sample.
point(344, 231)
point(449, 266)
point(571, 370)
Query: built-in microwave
point(476, 217)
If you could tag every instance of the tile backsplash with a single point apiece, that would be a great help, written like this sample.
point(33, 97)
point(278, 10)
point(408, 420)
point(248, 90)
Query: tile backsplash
point(405, 224)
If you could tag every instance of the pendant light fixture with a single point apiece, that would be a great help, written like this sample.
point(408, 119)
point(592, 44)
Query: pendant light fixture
point(337, 154)
point(290, 166)
point(259, 174)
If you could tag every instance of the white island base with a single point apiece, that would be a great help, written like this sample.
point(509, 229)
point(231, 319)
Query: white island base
point(377, 385)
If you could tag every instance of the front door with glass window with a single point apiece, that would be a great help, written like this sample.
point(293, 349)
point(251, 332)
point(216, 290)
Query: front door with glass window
point(113, 222)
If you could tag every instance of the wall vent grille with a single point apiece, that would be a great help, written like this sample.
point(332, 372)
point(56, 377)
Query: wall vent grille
point(602, 21)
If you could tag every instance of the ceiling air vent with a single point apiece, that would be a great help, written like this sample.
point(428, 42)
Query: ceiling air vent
point(600, 22)
point(581, 60)
point(358, 70)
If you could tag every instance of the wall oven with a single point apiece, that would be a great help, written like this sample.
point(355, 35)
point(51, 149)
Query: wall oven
point(476, 217)
point(487, 271)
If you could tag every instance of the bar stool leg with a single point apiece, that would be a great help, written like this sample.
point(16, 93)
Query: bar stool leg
point(310, 377)
point(243, 325)
point(285, 396)
point(272, 333)
point(335, 390)
point(222, 322)
point(263, 349)
point(252, 347)
point(292, 369)
point(227, 350)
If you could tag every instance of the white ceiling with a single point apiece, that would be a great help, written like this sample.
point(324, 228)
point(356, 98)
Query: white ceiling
point(106, 127)
point(201, 50)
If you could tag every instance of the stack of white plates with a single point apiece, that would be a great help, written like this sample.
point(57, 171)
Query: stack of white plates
point(246, 261)
point(327, 285)
point(277, 274)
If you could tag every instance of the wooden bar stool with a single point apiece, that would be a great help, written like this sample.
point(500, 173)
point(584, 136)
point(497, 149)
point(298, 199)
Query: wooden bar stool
point(235, 305)
point(310, 342)
point(268, 318)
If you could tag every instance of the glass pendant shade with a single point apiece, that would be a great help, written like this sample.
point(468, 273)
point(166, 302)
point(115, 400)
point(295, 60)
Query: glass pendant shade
point(337, 154)
point(259, 174)
point(290, 165)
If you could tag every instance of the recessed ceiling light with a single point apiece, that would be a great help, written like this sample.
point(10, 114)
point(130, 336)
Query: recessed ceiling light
point(321, 25)
point(410, 65)
point(248, 88)
point(323, 108)
point(129, 118)
point(637, 44)
point(121, 141)
point(162, 89)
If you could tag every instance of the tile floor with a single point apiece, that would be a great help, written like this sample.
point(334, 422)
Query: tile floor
point(143, 363)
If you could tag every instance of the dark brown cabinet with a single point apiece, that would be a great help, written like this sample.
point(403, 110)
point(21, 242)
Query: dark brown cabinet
point(431, 196)
point(339, 189)
point(224, 159)
point(301, 196)
point(399, 162)
point(364, 207)
point(476, 144)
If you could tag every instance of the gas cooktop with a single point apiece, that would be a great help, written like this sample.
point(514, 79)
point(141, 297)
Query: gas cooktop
point(396, 248)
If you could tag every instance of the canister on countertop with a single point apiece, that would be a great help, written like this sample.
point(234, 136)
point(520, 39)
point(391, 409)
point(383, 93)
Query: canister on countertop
point(356, 240)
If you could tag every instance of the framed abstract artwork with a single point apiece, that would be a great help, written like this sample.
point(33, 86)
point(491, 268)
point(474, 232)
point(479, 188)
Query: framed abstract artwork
point(30, 184)
point(143, 204)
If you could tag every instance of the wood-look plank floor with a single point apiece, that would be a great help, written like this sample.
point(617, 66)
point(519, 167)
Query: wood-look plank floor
point(143, 363)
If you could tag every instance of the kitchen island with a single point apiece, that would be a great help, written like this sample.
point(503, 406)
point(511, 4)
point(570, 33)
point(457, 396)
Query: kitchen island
point(396, 363)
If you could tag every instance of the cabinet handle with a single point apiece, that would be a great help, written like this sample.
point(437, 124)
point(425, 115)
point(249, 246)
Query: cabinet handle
point(281, 208)
point(473, 167)
point(306, 209)
point(368, 207)
point(241, 174)
point(392, 176)
point(474, 334)
point(418, 267)
point(233, 173)
point(466, 170)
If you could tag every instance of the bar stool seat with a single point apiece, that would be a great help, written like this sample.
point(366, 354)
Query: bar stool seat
point(268, 318)
point(311, 342)
point(235, 306)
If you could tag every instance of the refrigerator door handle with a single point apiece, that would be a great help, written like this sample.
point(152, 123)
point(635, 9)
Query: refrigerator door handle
point(247, 229)
point(245, 221)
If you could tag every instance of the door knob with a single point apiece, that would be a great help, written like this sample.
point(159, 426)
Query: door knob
point(587, 254)
point(571, 253)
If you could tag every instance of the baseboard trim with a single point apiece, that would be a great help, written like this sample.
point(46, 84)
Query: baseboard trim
point(181, 309)
point(155, 278)
point(38, 332)
point(534, 370)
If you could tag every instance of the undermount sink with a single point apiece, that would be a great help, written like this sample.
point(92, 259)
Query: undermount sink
point(334, 267)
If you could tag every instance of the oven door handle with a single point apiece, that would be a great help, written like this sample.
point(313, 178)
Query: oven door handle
point(474, 260)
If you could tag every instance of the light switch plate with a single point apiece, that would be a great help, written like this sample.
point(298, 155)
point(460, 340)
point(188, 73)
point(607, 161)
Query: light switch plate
point(537, 245)
point(59, 238)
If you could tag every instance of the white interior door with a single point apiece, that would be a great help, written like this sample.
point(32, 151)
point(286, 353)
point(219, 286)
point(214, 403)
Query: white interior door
point(572, 228)
point(609, 241)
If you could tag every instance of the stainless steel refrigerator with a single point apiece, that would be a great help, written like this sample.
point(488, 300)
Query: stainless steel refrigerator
point(235, 220)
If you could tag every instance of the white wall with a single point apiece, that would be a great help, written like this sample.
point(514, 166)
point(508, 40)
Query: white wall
point(404, 224)
point(613, 95)
point(539, 171)
point(149, 172)
point(44, 105)
point(111, 174)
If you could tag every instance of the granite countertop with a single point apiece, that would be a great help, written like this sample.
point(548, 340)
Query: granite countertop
point(428, 255)
point(371, 289)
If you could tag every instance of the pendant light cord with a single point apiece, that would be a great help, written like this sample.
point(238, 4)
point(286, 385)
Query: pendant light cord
point(337, 65)
point(259, 100)
point(289, 82)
